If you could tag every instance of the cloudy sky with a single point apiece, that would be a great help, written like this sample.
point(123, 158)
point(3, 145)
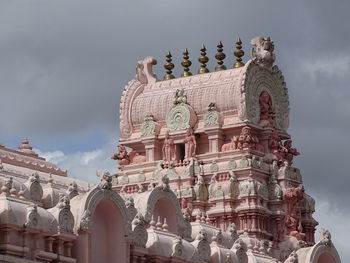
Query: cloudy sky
point(64, 63)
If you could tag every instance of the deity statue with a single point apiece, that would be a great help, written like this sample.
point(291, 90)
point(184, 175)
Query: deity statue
point(288, 152)
point(190, 144)
point(126, 158)
point(266, 113)
point(122, 156)
point(232, 145)
point(180, 97)
point(292, 197)
point(262, 51)
point(245, 139)
point(168, 148)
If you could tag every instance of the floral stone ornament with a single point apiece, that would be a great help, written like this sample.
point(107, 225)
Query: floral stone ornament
point(212, 116)
point(181, 116)
point(149, 127)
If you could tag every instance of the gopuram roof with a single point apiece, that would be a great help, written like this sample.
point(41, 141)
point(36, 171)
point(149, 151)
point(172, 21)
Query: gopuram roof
point(205, 175)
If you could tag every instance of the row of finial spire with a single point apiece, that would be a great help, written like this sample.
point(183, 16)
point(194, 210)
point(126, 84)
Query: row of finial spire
point(159, 225)
point(203, 60)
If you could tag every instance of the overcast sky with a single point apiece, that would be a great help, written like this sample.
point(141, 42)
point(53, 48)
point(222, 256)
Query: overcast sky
point(63, 65)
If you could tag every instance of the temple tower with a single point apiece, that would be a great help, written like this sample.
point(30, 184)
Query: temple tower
point(221, 140)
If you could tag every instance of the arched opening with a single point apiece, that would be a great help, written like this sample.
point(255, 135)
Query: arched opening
point(107, 238)
point(326, 258)
point(165, 209)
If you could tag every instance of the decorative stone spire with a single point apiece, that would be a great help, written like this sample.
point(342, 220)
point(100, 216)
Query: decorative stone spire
point(203, 59)
point(169, 67)
point(152, 224)
point(159, 224)
point(220, 56)
point(239, 53)
point(165, 226)
point(186, 63)
point(26, 148)
point(21, 193)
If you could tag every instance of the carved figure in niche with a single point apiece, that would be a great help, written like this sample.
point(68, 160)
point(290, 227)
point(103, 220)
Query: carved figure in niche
point(262, 51)
point(212, 185)
point(266, 113)
point(190, 144)
point(275, 190)
point(126, 158)
point(180, 97)
point(186, 205)
point(149, 127)
point(232, 145)
point(288, 152)
point(212, 116)
point(201, 189)
point(245, 139)
point(168, 148)
point(293, 196)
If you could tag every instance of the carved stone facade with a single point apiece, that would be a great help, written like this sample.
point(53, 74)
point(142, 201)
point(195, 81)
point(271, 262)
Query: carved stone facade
point(205, 175)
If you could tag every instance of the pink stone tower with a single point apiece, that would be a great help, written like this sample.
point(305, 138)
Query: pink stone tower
point(221, 139)
point(205, 176)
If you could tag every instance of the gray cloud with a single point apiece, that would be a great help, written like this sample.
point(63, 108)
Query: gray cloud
point(63, 65)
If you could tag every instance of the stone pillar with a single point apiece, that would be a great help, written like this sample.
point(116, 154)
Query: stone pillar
point(68, 248)
point(215, 137)
point(49, 241)
point(153, 149)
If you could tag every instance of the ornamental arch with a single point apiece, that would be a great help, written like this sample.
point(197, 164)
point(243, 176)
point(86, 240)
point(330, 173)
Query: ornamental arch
point(102, 224)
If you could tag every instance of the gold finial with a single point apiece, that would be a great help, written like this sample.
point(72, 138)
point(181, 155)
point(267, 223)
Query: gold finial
point(169, 67)
point(239, 53)
point(203, 59)
point(186, 63)
point(220, 56)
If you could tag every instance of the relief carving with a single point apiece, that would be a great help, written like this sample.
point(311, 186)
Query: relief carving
point(34, 187)
point(126, 158)
point(262, 51)
point(267, 114)
point(190, 144)
point(33, 217)
point(211, 116)
point(168, 148)
point(181, 116)
point(149, 127)
point(232, 145)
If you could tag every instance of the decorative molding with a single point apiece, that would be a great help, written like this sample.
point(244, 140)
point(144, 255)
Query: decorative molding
point(211, 116)
point(149, 127)
point(257, 79)
point(33, 219)
point(34, 187)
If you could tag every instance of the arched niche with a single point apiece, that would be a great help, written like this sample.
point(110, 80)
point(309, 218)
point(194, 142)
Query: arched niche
point(326, 258)
point(161, 201)
point(165, 209)
point(323, 252)
point(107, 235)
point(103, 227)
